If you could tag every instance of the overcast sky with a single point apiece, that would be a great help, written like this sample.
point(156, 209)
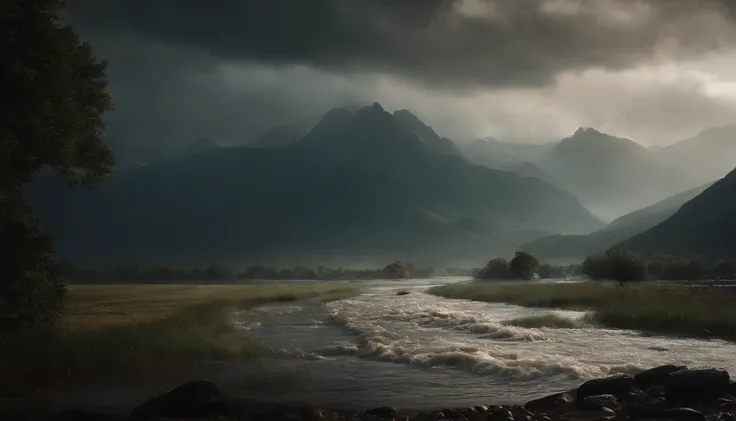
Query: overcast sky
point(655, 71)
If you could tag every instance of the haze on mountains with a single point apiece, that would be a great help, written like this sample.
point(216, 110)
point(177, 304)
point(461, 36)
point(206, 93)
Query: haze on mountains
point(234, 114)
point(574, 248)
point(357, 187)
point(703, 227)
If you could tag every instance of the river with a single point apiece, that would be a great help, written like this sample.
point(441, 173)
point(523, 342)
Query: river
point(419, 351)
point(422, 351)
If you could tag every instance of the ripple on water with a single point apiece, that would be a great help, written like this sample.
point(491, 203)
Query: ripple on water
point(425, 346)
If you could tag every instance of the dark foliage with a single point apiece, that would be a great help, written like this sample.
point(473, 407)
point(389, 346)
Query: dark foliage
point(216, 273)
point(53, 94)
point(524, 265)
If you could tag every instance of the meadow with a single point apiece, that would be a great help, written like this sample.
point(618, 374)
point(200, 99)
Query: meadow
point(662, 309)
point(135, 332)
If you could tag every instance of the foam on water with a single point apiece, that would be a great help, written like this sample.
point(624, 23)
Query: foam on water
point(428, 331)
point(419, 350)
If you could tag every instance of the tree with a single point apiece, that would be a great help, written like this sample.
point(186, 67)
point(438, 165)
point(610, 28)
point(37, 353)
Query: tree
point(524, 265)
point(398, 270)
point(624, 266)
point(54, 95)
point(725, 269)
point(497, 268)
point(595, 267)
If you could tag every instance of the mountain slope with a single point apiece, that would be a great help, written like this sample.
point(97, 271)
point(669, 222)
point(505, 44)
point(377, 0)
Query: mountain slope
point(501, 155)
point(278, 137)
point(705, 226)
point(707, 156)
point(358, 188)
point(577, 247)
point(431, 140)
point(611, 176)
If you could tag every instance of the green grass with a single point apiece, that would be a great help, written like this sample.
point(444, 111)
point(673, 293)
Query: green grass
point(546, 320)
point(672, 310)
point(127, 332)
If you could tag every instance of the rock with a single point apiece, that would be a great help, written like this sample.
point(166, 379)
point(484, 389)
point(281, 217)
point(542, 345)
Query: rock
point(634, 396)
point(655, 376)
point(732, 387)
point(654, 392)
point(652, 409)
point(696, 385)
point(403, 293)
point(685, 414)
point(481, 409)
point(600, 402)
point(194, 399)
point(383, 412)
point(613, 385)
point(548, 403)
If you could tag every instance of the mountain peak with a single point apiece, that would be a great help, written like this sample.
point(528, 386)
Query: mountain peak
point(405, 114)
point(588, 131)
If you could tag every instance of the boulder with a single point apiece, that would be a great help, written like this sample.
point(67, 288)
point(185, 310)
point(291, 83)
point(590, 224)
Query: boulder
point(696, 385)
point(685, 414)
point(655, 408)
point(612, 385)
point(655, 376)
point(382, 412)
point(549, 403)
point(195, 399)
point(403, 293)
point(599, 402)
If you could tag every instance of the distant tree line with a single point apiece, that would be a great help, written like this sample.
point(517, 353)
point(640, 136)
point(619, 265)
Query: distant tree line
point(219, 273)
point(623, 266)
point(525, 266)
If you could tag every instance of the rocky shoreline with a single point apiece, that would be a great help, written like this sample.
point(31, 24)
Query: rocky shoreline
point(662, 393)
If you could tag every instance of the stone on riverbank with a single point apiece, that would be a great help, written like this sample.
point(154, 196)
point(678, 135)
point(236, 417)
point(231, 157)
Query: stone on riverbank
point(662, 393)
point(696, 385)
point(613, 385)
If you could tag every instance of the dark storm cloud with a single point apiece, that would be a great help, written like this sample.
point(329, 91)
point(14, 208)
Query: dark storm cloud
point(452, 42)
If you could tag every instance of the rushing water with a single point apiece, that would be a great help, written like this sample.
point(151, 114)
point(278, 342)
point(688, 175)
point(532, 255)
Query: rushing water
point(422, 351)
point(419, 351)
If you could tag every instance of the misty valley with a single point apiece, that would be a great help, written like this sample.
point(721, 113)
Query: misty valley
point(455, 210)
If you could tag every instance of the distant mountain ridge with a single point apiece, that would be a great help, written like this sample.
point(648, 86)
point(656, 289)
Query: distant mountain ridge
point(704, 226)
point(707, 156)
point(611, 176)
point(358, 187)
point(574, 248)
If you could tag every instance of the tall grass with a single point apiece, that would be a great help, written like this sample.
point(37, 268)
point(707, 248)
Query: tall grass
point(675, 310)
point(128, 332)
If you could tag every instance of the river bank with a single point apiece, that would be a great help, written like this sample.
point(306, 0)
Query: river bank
point(660, 309)
point(665, 392)
point(139, 333)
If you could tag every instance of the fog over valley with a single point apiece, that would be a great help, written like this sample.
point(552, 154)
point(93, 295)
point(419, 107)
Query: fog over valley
point(368, 210)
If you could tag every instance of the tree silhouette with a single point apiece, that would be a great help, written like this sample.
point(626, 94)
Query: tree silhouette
point(54, 94)
point(524, 265)
point(624, 266)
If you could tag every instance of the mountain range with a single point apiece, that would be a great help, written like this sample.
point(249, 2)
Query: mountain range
point(704, 226)
point(363, 186)
point(574, 248)
point(367, 186)
point(707, 156)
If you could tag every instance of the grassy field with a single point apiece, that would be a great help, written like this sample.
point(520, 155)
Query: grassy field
point(673, 310)
point(133, 331)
